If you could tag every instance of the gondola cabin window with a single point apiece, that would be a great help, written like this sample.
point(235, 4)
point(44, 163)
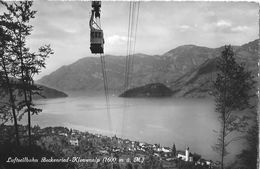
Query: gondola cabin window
point(95, 34)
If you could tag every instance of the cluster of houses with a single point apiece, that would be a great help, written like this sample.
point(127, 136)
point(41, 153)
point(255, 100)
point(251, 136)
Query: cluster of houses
point(188, 157)
point(118, 145)
point(74, 141)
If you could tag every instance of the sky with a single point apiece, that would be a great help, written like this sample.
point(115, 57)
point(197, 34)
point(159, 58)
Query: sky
point(162, 26)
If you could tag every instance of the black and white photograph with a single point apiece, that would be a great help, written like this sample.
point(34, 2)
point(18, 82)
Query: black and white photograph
point(129, 84)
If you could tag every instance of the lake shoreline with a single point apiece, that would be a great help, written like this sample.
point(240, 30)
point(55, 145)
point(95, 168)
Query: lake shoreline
point(145, 119)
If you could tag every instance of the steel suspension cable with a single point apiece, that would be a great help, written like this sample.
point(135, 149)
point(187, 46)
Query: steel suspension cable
point(134, 44)
point(106, 89)
point(127, 65)
point(130, 55)
point(128, 47)
point(132, 29)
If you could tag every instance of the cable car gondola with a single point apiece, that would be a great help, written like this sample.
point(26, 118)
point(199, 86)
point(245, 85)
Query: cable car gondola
point(96, 33)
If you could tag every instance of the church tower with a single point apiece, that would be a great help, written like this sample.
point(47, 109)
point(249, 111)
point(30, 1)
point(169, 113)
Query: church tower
point(187, 153)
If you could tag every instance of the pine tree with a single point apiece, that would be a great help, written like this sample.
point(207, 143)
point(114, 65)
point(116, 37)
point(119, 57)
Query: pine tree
point(232, 93)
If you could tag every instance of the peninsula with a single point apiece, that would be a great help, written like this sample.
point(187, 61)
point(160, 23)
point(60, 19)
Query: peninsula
point(149, 90)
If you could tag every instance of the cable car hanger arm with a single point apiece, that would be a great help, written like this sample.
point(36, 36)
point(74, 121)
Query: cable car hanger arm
point(92, 21)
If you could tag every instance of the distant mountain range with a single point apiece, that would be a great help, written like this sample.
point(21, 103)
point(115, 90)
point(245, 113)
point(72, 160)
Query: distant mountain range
point(188, 70)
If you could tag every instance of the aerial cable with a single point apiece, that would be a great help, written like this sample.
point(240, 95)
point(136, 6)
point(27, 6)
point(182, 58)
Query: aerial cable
point(131, 45)
point(133, 33)
point(127, 65)
point(131, 40)
point(134, 44)
point(128, 48)
point(106, 89)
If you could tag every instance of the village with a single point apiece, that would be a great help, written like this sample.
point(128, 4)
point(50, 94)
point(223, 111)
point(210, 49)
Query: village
point(73, 143)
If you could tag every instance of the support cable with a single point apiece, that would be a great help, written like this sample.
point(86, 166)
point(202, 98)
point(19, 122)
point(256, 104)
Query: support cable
point(131, 40)
point(103, 65)
point(130, 55)
point(127, 66)
point(134, 44)
point(128, 47)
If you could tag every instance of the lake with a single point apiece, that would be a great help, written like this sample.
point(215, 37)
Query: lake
point(185, 122)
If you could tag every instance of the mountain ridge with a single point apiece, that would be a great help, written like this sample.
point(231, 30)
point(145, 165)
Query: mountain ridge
point(85, 74)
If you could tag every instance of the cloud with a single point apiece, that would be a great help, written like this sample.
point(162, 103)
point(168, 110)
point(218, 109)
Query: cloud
point(240, 28)
point(116, 40)
point(223, 23)
point(71, 31)
point(219, 26)
point(184, 27)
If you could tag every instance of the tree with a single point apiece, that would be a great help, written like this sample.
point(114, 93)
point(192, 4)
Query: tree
point(248, 157)
point(7, 82)
point(27, 63)
point(232, 93)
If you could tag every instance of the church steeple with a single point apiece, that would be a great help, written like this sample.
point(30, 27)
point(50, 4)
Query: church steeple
point(187, 154)
point(174, 150)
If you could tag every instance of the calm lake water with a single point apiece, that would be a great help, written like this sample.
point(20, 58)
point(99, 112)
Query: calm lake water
point(185, 122)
